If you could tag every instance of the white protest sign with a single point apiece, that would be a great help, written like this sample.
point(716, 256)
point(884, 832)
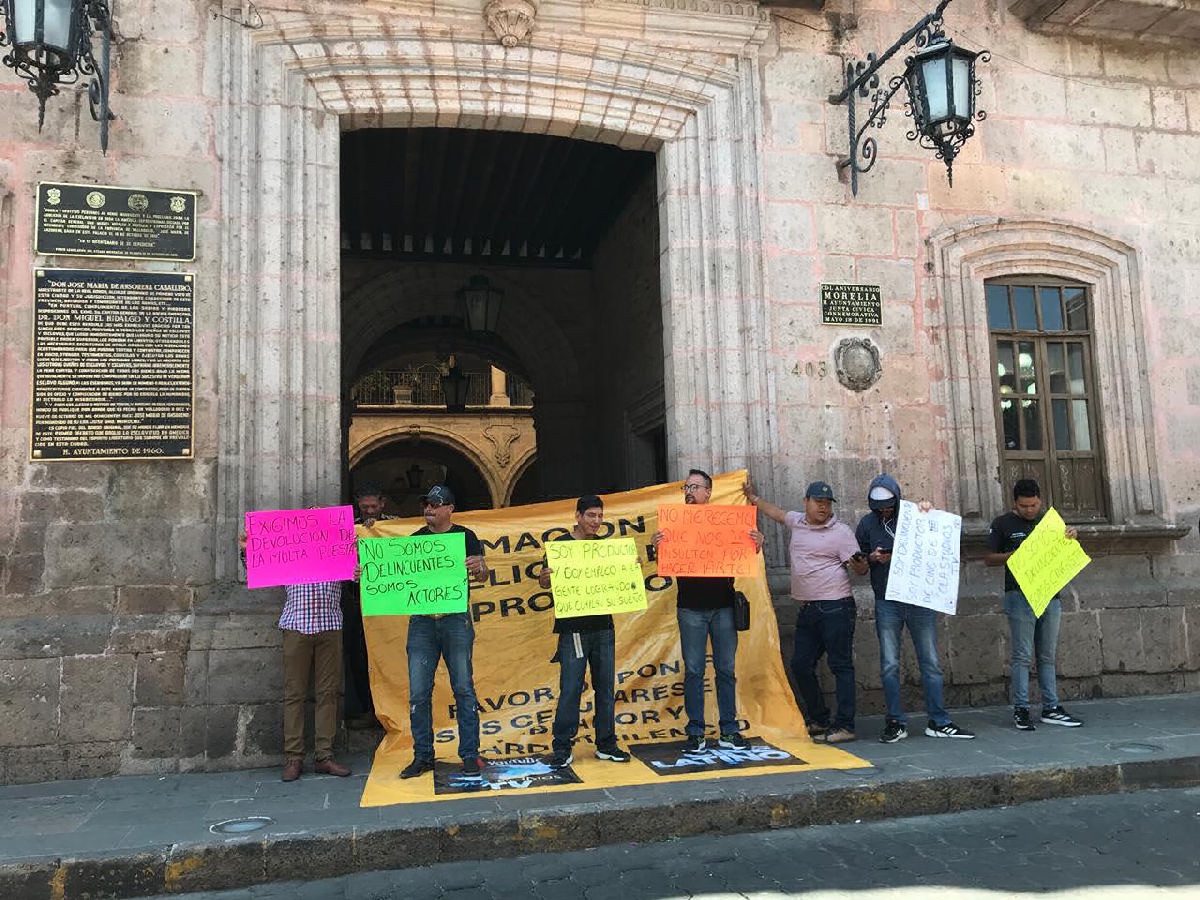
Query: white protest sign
point(925, 559)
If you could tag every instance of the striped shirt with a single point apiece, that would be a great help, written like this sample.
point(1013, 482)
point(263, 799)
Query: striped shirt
point(311, 608)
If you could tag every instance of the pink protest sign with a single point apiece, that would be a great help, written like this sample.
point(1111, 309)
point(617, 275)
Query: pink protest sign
point(300, 546)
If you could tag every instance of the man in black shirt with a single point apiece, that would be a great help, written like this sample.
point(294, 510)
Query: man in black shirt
point(704, 610)
point(448, 636)
point(585, 642)
point(370, 503)
point(1030, 634)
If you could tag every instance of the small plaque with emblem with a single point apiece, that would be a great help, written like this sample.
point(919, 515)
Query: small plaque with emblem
point(118, 222)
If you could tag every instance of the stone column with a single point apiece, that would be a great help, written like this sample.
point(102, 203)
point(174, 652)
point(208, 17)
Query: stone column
point(499, 389)
point(718, 386)
point(279, 442)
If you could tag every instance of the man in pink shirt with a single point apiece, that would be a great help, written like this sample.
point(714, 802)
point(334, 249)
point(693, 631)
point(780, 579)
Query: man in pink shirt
point(822, 552)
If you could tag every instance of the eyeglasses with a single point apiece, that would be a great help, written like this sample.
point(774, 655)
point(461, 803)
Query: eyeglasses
point(431, 504)
point(692, 488)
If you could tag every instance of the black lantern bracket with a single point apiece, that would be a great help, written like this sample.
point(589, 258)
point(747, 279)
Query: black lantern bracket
point(47, 69)
point(945, 136)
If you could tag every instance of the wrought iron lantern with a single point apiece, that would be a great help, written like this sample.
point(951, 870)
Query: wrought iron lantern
point(941, 83)
point(51, 44)
point(455, 384)
point(480, 305)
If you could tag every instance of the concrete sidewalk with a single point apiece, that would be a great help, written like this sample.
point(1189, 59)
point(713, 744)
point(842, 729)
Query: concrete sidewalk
point(137, 836)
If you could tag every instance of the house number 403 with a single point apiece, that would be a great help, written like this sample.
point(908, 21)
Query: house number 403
point(811, 369)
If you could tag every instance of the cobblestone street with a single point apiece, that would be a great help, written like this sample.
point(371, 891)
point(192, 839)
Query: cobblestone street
point(1128, 845)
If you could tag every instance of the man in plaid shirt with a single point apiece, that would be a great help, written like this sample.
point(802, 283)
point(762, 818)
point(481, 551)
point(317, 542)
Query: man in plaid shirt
point(312, 641)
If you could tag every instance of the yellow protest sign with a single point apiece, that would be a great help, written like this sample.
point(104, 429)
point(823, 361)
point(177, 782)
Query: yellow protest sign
point(1046, 561)
point(595, 578)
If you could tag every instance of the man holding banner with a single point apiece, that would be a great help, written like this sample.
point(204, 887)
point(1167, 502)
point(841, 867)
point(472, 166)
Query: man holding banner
point(822, 553)
point(584, 642)
point(876, 535)
point(1031, 633)
point(704, 610)
point(448, 636)
point(359, 711)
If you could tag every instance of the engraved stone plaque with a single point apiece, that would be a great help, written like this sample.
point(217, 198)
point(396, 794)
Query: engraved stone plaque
point(851, 304)
point(112, 365)
point(101, 220)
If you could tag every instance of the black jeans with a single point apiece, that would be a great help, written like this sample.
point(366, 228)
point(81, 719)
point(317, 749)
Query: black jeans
point(825, 627)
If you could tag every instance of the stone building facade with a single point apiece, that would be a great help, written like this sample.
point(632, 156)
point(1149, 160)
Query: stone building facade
point(128, 643)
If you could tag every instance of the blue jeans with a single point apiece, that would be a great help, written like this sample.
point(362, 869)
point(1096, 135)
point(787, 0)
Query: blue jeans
point(890, 619)
point(825, 627)
point(1033, 635)
point(696, 626)
point(577, 651)
point(450, 638)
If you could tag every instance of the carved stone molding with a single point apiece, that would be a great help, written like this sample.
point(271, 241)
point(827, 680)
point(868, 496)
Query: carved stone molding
point(502, 438)
point(512, 21)
point(857, 363)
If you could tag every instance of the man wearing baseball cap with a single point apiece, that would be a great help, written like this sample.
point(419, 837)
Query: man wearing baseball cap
point(448, 636)
point(822, 552)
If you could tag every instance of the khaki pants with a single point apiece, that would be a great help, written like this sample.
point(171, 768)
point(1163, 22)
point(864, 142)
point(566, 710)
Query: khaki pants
point(301, 653)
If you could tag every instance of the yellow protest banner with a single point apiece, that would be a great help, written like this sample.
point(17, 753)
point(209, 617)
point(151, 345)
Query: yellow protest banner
point(1046, 561)
point(516, 684)
point(594, 578)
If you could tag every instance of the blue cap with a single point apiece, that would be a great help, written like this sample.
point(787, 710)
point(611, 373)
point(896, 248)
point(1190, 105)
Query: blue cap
point(819, 490)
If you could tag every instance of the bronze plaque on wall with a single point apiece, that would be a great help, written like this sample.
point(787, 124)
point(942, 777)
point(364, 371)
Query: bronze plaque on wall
point(112, 365)
point(851, 304)
point(102, 220)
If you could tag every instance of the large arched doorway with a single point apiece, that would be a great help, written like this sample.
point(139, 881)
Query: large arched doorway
point(291, 87)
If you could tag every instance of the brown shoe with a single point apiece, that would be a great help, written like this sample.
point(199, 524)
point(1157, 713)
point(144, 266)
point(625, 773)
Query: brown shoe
point(816, 728)
point(331, 767)
point(836, 736)
point(292, 769)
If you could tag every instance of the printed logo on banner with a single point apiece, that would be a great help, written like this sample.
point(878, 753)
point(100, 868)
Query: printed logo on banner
point(671, 759)
point(516, 774)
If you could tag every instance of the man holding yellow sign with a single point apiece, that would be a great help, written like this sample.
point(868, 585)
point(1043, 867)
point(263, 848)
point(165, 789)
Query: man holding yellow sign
point(1032, 580)
point(590, 582)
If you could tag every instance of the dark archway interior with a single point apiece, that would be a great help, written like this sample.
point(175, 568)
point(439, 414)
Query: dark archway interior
point(568, 231)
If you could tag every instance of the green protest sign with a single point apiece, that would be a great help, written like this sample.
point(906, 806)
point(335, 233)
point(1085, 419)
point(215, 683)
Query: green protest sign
point(409, 576)
point(591, 578)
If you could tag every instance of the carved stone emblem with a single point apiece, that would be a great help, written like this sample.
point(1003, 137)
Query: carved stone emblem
point(857, 363)
point(511, 20)
point(502, 438)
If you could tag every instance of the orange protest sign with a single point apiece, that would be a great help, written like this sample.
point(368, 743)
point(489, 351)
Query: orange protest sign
point(707, 540)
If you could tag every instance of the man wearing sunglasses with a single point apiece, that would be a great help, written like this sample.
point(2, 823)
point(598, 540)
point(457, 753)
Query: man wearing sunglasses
point(704, 610)
point(448, 636)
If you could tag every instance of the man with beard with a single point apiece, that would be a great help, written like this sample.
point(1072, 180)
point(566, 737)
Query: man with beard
point(704, 610)
point(370, 504)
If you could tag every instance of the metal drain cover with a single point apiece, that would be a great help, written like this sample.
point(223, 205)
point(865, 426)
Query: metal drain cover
point(241, 826)
point(1136, 747)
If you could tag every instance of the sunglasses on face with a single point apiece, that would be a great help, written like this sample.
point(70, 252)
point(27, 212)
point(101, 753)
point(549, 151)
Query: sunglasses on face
point(431, 504)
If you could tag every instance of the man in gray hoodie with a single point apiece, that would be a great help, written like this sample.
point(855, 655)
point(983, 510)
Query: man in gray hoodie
point(876, 535)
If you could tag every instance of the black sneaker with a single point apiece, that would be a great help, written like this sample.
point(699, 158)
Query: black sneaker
point(732, 741)
point(949, 730)
point(1021, 719)
point(561, 759)
point(893, 730)
point(472, 767)
point(612, 754)
point(694, 743)
point(419, 766)
point(1059, 716)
